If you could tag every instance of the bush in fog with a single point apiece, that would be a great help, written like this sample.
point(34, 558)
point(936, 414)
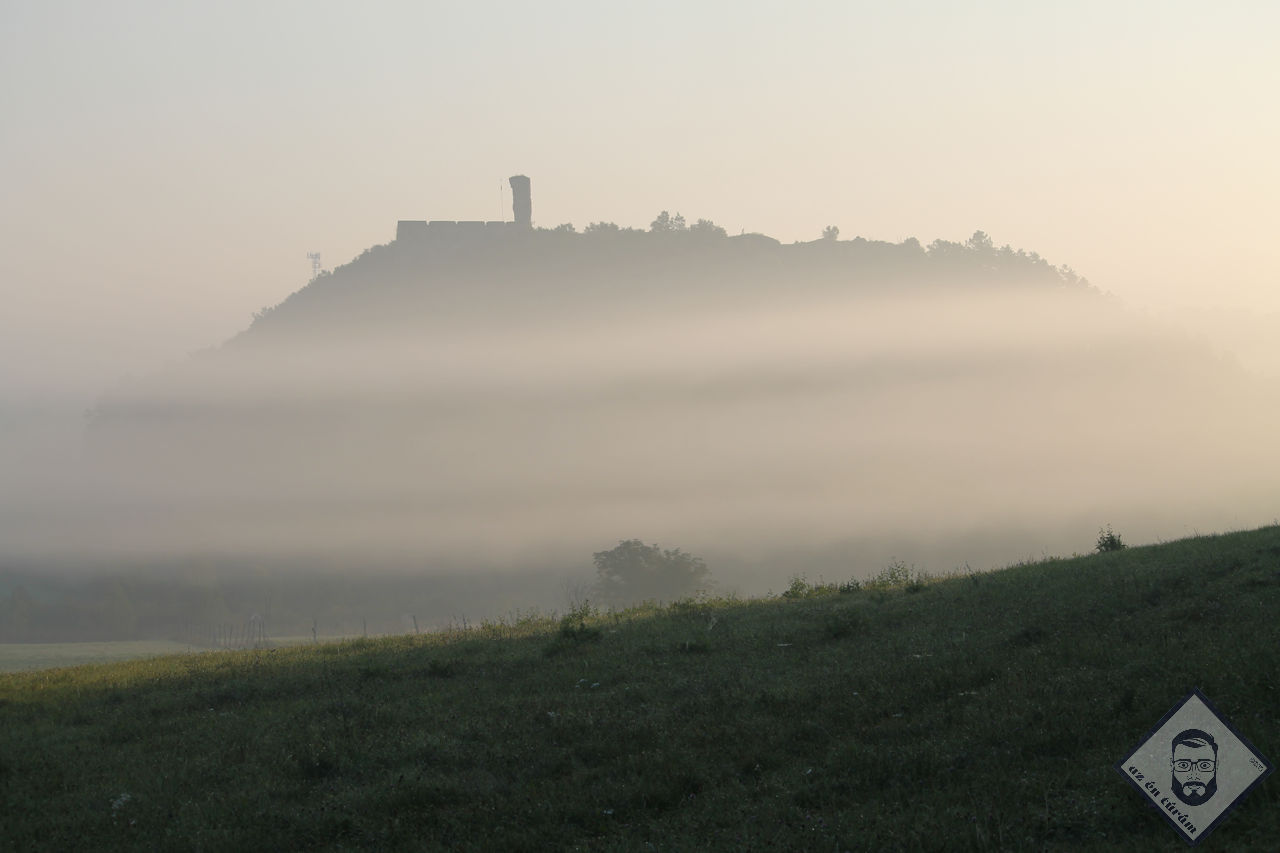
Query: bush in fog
point(1109, 540)
point(634, 571)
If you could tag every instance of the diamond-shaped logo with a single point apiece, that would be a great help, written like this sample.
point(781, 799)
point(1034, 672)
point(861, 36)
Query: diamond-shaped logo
point(1194, 767)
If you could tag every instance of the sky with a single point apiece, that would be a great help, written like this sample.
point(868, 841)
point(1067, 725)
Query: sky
point(169, 165)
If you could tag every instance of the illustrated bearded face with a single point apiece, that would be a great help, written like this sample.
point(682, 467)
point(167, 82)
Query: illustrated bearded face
point(1195, 769)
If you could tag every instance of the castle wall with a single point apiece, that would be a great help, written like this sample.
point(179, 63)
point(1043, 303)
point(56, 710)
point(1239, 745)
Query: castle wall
point(411, 229)
point(418, 230)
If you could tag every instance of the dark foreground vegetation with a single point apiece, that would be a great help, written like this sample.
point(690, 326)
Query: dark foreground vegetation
point(976, 712)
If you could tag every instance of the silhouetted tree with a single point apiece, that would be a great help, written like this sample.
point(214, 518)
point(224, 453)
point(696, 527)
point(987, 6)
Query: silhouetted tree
point(1071, 278)
point(634, 572)
point(945, 250)
point(707, 228)
point(980, 242)
point(831, 232)
point(664, 221)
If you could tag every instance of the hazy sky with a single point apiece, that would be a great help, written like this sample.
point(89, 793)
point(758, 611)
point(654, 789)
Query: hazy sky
point(168, 165)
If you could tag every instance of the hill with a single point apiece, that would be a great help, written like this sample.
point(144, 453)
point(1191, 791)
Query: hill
point(469, 403)
point(980, 711)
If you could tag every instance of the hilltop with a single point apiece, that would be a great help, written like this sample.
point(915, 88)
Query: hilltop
point(447, 402)
point(533, 275)
point(980, 712)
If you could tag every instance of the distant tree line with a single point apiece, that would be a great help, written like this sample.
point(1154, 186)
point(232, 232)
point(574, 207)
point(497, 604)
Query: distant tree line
point(977, 255)
point(663, 223)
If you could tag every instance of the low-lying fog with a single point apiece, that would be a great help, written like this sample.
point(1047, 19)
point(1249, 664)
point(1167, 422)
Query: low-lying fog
point(774, 430)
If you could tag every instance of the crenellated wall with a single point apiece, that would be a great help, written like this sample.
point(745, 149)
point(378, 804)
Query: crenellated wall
point(421, 229)
point(522, 210)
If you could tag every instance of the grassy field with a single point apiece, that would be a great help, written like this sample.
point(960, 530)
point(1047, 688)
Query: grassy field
point(980, 712)
point(16, 657)
point(24, 657)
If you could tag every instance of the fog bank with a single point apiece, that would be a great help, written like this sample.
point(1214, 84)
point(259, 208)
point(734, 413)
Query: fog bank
point(815, 413)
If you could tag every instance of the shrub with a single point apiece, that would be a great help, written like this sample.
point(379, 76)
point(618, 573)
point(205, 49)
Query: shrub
point(1109, 540)
point(574, 627)
point(896, 575)
point(574, 631)
point(799, 588)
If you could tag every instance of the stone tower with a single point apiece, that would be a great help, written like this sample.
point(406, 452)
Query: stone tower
point(521, 201)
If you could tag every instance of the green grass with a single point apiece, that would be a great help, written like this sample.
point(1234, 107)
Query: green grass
point(20, 657)
point(15, 657)
point(979, 712)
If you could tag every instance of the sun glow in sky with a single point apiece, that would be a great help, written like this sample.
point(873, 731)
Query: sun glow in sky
point(169, 165)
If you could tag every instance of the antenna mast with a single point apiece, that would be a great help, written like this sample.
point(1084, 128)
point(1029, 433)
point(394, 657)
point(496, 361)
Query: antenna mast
point(314, 257)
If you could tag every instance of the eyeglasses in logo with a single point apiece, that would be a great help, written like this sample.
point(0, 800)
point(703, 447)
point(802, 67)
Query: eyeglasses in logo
point(1195, 765)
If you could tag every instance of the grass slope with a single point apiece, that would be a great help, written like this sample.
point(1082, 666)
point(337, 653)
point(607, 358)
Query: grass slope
point(975, 712)
point(15, 657)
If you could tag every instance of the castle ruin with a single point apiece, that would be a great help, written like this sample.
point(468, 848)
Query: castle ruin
point(521, 209)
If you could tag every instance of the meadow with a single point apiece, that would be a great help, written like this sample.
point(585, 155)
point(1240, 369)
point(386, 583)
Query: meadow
point(22, 657)
point(16, 657)
point(978, 711)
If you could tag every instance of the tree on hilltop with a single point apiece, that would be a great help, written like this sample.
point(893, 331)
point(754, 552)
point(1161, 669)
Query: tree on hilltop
point(980, 242)
point(634, 572)
point(707, 228)
point(665, 222)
